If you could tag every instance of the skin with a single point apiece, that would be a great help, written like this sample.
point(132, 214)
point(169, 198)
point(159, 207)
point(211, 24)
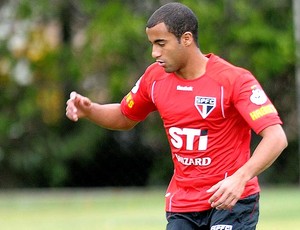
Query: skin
point(185, 59)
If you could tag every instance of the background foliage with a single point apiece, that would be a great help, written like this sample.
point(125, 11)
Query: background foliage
point(99, 48)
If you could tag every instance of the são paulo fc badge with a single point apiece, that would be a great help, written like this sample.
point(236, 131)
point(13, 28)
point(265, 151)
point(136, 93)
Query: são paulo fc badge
point(205, 105)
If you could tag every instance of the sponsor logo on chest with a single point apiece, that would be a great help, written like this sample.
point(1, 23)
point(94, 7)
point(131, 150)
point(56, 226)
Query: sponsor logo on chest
point(184, 88)
point(205, 161)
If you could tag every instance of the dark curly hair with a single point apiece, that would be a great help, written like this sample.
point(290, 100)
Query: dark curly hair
point(178, 19)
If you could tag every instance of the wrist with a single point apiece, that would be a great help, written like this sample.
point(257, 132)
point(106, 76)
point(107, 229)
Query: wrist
point(89, 110)
point(244, 174)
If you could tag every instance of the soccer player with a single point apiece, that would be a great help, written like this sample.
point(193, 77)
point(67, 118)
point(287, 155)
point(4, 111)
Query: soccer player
point(208, 107)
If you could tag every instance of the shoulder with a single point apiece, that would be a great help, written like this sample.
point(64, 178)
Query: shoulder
point(154, 73)
point(145, 84)
point(226, 73)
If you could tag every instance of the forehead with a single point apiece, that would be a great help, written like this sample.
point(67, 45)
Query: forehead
point(158, 31)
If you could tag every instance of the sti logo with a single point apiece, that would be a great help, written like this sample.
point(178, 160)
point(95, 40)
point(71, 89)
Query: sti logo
point(205, 105)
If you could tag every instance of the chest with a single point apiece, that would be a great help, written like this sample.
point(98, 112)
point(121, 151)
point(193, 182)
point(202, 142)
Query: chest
point(195, 103)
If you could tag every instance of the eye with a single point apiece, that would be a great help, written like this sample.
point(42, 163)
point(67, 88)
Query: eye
point(161, 44)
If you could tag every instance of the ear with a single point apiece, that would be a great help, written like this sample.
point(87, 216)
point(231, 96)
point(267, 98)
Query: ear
point(187, 39)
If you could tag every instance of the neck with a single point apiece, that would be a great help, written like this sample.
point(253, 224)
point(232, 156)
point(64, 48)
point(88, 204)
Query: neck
point(195, 66)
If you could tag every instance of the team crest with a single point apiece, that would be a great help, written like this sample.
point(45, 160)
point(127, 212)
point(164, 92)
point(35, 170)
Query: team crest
point(205, 105)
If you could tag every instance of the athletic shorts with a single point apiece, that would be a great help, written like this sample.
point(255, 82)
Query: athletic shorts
point(244, 215)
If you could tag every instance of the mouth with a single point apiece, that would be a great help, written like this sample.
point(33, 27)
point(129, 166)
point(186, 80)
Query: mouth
point(161, 63)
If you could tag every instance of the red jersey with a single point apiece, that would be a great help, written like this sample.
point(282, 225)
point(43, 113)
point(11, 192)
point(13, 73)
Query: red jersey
point(208, 122)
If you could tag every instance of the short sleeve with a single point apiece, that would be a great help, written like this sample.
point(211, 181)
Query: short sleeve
point(253, 104)
point(137, 104)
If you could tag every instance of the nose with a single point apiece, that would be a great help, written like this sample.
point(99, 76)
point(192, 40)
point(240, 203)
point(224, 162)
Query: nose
point(155, 52)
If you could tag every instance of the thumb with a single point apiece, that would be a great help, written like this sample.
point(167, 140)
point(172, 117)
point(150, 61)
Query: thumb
point(86, 102)
point(73, 95)
point(213, 188)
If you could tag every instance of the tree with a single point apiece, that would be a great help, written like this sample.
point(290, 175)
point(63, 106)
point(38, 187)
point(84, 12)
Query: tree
point(99, 48)
point(296, 7)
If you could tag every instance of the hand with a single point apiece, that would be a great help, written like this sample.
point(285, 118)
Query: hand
point(226, 193)
point(77, 106)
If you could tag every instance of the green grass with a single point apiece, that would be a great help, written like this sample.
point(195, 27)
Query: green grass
point(82, 209)
point(122, 209)
point(280, 209)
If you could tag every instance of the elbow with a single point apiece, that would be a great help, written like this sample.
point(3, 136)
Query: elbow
point(277, 136)
point(124, 125)
point(119, 128)
point(125, 128)
point(282, 144)
point(282, 140)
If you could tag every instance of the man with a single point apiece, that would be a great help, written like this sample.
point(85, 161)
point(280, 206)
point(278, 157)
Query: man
point(208, 108)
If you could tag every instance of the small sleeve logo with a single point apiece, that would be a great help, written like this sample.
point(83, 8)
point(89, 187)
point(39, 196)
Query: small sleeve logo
point(258, 96)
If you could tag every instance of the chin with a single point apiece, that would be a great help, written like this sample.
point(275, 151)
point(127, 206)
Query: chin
point(169, 70)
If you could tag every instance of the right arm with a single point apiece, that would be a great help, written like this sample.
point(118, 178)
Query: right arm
point(108, 116)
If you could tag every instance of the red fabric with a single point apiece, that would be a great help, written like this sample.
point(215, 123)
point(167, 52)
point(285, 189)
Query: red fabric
point(208, 122)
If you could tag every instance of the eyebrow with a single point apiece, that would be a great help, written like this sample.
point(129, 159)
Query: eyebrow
point(158, 41)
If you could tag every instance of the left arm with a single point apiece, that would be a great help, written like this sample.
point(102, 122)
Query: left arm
point(227, 192)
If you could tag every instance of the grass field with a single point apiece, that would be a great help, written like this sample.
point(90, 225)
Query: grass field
point(122, 209)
